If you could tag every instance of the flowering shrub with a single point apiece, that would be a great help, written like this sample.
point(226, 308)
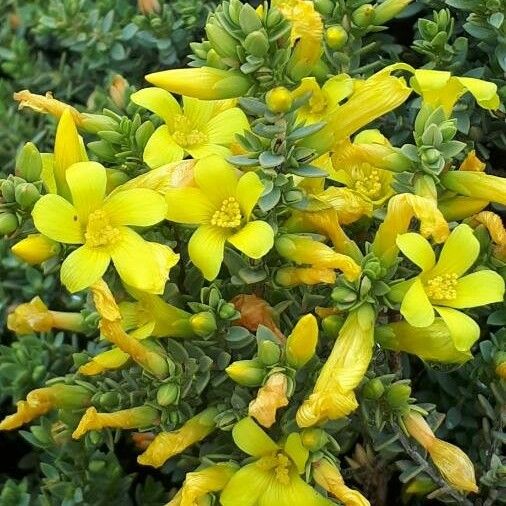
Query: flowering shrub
point(267, 276)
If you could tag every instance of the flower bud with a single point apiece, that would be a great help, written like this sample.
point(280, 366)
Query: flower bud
point(324, 6)
point(248, 373)
point(268, 353)
point(314, 439)
point(167, 394)
point(93, 123)
point(8, 190)
point(26, 195)
point(332, 325)
point(295, 276)
point(29, 163)
point(148, 6)
point(8, 223)
point(389, 9)
point(363, 16)
point(343, 295)
point(336, 36)
point(35, 249)
point(397, 395)
point(476, 184)
point(118, 89)
point(430, 156)
point(301, 343)
point(373, 389)
point(279, 99)
point(257, 43)
point(227, 311)
point(500, 364)
point(203, 324)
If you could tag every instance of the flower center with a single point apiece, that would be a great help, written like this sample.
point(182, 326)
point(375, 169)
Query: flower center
point(184, 134)
point(369, 184)
point(278, 462)
point(99, 231)
point(442, 287)
point(228, 215)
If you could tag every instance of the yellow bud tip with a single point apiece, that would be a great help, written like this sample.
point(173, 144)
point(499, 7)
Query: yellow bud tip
point(279, 100)
point(336, 36)
point(35, 249)
point(301, 343)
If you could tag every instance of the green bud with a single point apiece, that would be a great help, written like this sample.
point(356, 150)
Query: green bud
point(70, 396)
point(8, 223)
point(324, 6)
point(268, 353)
point(26, 195)
point(8, 190)
point(332, 324)
point(273, 17)
point(203, 324)
point(343, 295)
point(257, 43)
point(388, 10)
point(314, 439)
point(249, 20)
point(363, 16)
point(227, 311)
point(373, 389)
point(94, 123)
point(365, 286)
point(248, 373)
point(109, 400)
point(29, 163)
point(336, 36)
point(398, 394)
point(430, 156)
point(222, 42)
point(167, 394)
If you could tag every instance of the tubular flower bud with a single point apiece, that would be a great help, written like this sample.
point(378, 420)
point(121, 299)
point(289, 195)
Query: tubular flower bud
point(110, 326)
point(301, 343)
point(388, 10)
point(254, 312)
point(457, 208)
point(345, 368)
point(118, 88)
point(472, 163)
point(328, 477)
point(401, 210)
point(132, 418)
point(454, 465)
point(433, 343)
point(476, 184)
point(279, 99)
point(206, 83)
point(34, 316)
point(198, 484)
point(167, 444)
point(35, 249)
point(249, 373)
point(295, 276)
point(336, 36)
point(270, 397)
point(493, 223)
point(303, 250)
point(42, 400)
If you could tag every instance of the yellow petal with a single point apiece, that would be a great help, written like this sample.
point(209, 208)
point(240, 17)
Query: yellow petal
point(296, 451)
point(135, 261)
point(47, 174)
point(57, 218)
point(223, 128)
point(478, 289)
point(246, 486)
point(111, 359)
point(198, 112)
point(255, 239)
point(165, 259)
point(338, 88)
point(484, 92)
point(199, 151)
point(161, 148)
point(417, 249)
point(302, 341)
point(216, 178)
point(87, 182)
point(83, 267)
point(416, 307)
point(159, 101)
point(206, 248)
point(463, 329)
point(189, 205)
point(138, 207)
point(251, 439)
point(459, 252)
point(249, 189)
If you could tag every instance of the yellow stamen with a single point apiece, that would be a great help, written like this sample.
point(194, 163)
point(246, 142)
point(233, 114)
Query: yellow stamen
point(278, 462)
point(368, 184)
point(99, 231)
point(229, 214)
point(442, 287)
point(184, 134)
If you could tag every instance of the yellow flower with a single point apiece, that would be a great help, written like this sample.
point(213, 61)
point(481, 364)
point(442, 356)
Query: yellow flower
point(101, 225)
point(476, 184)
point(472, 163)
point(495, 227)
point(142, 416)
point(199, 129)
point(42, 400)
point(322, 101)
point(296, 276)
point(303, 250)
point(206, 83)
point(443, 287)
point(301, 343)
point(199, 484)
point(345, 368)
point(402, 208)
point(455, 466)
point(328, 476)
point(221, 206)
point(274, 476)
point(439, 88)
point(35, 249)
point(270, 397)
point(35, 316)
point(433, 343)
point(167, 444)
